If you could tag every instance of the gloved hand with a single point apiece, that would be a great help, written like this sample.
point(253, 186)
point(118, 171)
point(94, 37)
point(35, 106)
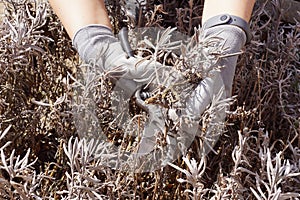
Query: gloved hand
point(215, 89)
point(211, 93)
point(96, 44)
point(233, 39)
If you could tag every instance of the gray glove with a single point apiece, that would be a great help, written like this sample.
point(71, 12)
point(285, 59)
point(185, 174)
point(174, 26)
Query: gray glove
point(214, 91)
point(216, 88)
point(234, 39)
point(96, 44)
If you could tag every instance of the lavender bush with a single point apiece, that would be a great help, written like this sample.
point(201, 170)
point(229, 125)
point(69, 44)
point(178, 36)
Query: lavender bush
point(43, 156)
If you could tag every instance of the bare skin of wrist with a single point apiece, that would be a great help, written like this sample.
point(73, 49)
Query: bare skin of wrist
point(75, 14)
point(240, 8)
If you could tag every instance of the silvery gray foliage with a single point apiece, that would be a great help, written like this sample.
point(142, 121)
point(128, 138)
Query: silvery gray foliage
point(85, 158)
point(212, 126)
point(20, 179)
point(193, 176)
point(232, 189)
point(202, 53)
point(254, 166)
point(230, 186)
point(2, 135)
point(85, 85)
point(276, 172)
point(22, 28)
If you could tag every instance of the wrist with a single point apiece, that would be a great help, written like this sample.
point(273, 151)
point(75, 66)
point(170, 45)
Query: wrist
point(226, 19)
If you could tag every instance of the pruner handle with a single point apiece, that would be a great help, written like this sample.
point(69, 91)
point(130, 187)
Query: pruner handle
point(123, 36)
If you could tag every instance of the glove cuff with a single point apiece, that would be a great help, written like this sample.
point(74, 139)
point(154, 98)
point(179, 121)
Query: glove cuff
point(91, 28)
point(229, 20)
point(233, 36)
